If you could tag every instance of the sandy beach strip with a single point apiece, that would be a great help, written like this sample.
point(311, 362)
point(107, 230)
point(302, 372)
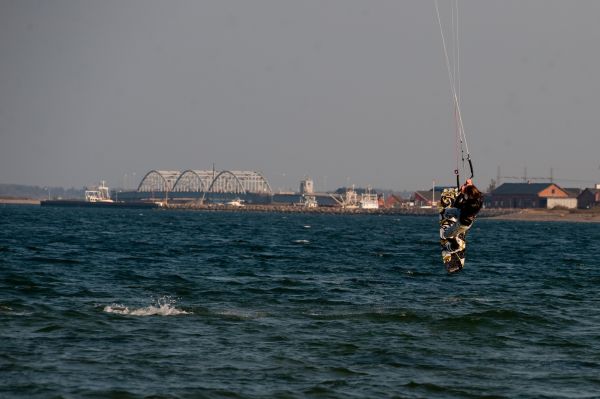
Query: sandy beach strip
point(19, 201)
point(552, 215)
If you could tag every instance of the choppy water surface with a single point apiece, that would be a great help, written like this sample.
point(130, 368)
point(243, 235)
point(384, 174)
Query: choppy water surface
point(99, 303)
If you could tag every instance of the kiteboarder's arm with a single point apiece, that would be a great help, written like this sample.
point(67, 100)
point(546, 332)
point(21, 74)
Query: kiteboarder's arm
point(469, 210)
point(459, 202)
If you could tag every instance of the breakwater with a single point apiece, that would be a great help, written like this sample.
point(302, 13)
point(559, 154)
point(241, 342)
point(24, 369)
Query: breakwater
point(324, 210)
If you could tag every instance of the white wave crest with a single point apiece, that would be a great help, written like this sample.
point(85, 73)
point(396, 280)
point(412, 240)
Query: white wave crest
point(164, 307)
point(4, 308)
point(10, 311)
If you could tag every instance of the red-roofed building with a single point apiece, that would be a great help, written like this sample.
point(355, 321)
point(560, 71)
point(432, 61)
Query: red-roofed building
point(425, 198)
point(396, 201)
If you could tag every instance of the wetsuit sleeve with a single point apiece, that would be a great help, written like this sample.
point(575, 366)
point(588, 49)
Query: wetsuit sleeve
point(469, 209)
point(459, 202)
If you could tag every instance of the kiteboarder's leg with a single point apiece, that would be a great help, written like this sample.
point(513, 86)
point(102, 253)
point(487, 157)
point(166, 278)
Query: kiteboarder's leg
point(455, 237)
point(451, 213)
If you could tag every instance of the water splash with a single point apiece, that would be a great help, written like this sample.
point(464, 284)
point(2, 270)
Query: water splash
point(164, 306)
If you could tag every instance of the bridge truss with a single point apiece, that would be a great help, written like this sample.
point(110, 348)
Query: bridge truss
point(205, 181)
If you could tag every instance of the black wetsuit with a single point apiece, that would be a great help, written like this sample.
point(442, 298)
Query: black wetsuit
point(469, 207)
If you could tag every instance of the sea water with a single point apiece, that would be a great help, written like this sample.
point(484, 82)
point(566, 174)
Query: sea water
point(111, 303)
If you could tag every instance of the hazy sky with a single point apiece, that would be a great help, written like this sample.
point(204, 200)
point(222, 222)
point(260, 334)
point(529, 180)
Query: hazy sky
point(344, 91)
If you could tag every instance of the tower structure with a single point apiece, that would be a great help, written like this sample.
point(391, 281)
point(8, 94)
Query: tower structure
point(307, 186)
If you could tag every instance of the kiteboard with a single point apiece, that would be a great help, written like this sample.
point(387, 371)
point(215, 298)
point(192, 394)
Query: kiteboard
point(454, 261)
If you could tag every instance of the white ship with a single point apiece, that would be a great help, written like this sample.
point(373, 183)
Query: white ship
point(368, 201)
point(236, 202)
point(100, 194)
point(99, 197)
point(352, 200)
point(308, 201)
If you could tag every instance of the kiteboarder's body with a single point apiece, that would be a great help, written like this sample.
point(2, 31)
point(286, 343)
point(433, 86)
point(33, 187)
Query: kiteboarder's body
point(465, 209)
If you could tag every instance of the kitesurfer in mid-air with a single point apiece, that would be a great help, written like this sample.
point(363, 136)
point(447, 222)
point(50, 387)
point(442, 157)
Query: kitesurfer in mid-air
point(465, 208)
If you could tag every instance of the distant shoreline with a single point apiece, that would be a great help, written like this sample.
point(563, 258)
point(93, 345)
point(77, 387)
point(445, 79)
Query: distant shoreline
point(525, 215)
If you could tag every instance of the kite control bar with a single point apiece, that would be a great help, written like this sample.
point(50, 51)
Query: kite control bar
point(470, 165)
point(458, 175)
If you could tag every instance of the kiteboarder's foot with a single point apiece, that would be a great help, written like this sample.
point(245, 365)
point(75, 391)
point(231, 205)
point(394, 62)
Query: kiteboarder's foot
point(446, 256)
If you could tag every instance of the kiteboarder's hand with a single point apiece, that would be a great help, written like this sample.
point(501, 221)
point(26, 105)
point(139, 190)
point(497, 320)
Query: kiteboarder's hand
point(469, 182)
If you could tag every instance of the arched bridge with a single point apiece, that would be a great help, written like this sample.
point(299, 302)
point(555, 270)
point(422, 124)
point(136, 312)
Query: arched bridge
point(205, 181)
